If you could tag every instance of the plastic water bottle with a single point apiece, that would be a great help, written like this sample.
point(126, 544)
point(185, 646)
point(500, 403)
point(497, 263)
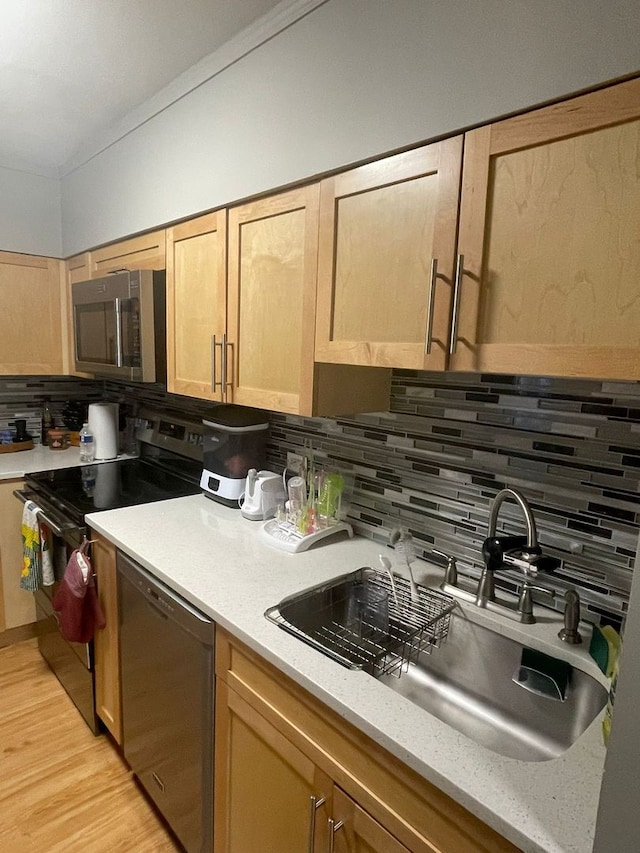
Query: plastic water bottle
point(87, 444)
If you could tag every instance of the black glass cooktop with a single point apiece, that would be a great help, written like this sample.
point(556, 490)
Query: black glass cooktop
point(108, 485)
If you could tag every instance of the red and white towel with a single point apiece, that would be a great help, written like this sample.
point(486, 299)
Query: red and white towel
point(76, 600)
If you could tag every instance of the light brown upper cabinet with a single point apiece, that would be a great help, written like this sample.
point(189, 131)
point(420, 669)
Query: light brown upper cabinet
point(268, 354)
point(79, 268)
point(549, 241)
point(387, 249)
point(35, 315)
point(145, 252)
point(196, 304)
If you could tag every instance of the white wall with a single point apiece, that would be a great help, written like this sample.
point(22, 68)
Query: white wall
point(30, 214)
point(353, 79)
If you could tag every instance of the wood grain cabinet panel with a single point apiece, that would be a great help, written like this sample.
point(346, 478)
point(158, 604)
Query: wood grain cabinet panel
point(292, 775)
point(550, 241)
point(34, 309)
point(107, 639)
point(265, 801)
point(17, 606)
point(273, 247)
point(145, 252)
point(387, 246)
point(196, 303)
point(269, 350)
point(355, 831)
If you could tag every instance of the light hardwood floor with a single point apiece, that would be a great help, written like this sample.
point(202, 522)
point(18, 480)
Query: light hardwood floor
point(62, 790)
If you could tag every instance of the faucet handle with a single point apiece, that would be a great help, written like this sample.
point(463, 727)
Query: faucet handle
point(525, 601)
point(451, 572)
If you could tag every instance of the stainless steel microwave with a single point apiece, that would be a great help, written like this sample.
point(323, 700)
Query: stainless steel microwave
point(119, 326)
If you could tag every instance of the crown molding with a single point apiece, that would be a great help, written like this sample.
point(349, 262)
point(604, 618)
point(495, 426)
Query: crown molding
point(281, 17)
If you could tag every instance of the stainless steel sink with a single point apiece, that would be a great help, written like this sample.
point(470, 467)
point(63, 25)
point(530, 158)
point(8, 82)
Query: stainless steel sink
point(489, 687)
point(323, 618)
point(469, 684)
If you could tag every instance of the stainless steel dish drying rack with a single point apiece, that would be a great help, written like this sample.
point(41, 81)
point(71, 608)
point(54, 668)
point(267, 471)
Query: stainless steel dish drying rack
point(320, 617)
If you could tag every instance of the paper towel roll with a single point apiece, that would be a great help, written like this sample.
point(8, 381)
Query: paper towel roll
point(103, 423)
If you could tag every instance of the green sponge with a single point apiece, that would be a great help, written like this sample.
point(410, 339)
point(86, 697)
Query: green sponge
point(604, 647)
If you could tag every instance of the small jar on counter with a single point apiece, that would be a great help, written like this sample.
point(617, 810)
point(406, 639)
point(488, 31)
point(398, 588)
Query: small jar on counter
point(6, 436)
point(58, 439)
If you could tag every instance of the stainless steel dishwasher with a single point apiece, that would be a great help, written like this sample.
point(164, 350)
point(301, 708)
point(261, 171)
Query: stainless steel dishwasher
point(166, 659)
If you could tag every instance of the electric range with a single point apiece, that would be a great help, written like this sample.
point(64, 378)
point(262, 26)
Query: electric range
point(169, 465)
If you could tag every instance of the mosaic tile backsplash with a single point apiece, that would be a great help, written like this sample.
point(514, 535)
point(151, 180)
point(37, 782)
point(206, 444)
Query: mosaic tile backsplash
point(436, 459)
point(450, 442)
point(24, 397)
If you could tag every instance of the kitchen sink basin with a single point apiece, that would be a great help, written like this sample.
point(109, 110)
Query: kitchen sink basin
point(513, 700)
point(500, 694)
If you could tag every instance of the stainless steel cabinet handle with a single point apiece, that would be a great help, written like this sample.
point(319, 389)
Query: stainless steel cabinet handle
point(214, 383)
point(223, 351)
point(333, 828)
point(314, 805)
point(433, 274)
point(456, 304)
point(119, 353)
point(229, 363)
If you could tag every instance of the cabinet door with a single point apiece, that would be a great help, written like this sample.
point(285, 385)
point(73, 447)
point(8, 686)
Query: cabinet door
point(79, 268)
point(196, 305)
point(34, 310)
point(355, 831)
point(549, 225)
point(107, 639)
point(269, 796)
point(17, 606)
point(273, 249)
point(146, 252)
point(387, 245)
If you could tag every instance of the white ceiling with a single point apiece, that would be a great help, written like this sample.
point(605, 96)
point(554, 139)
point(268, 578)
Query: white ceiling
point(70, 69)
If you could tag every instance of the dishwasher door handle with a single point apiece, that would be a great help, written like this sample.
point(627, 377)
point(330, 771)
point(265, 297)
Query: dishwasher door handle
point(159, 613)
point(164, 600)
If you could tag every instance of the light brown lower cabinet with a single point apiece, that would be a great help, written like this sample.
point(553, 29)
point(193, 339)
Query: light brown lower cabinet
point(107, 639)
point(291, 775)
point(17, 607)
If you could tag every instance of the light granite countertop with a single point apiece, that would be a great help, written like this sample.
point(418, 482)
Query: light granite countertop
point(218, 561)
point(21, 462)
point(16, 465)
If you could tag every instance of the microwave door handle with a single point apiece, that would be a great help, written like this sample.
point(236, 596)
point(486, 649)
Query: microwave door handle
point(76, 334)
point(119, 353)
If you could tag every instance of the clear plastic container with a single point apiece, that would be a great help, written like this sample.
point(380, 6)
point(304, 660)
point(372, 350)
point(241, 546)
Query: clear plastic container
point(87, 444)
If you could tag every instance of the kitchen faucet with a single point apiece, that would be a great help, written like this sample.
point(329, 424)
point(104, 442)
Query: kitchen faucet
point(521, 552)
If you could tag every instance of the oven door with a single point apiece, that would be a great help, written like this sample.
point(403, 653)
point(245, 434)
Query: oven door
point(72, 663)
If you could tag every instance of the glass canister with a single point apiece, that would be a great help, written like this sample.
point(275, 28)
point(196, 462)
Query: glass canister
point(58, 439)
